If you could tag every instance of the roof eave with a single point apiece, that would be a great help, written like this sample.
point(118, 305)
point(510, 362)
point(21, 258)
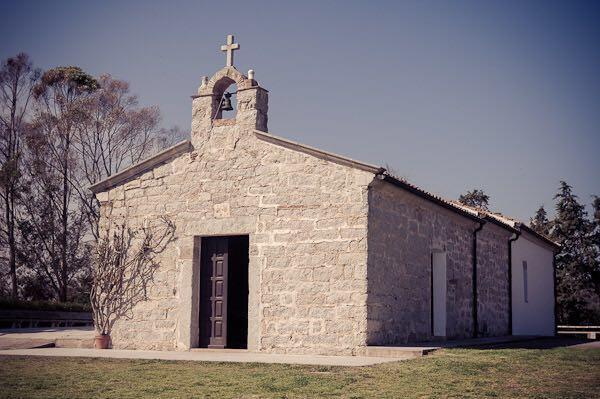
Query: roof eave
point(399, 183)
point(498, 223)
point(141, 167)
point(318, 153)
point(541, 237)
point(376, 170)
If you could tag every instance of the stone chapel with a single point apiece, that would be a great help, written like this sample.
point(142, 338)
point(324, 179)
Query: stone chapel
point(285, 248)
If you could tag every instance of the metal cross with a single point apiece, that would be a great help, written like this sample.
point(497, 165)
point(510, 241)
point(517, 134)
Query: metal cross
point(229, 48)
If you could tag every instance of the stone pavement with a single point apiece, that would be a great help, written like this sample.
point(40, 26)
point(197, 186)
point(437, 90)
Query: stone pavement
point(25, 338)
point(49, 333)
point(588, 345)
point(238, 356)
point(78, 342)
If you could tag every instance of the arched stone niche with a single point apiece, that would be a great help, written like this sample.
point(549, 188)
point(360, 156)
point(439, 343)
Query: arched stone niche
point(252, 102)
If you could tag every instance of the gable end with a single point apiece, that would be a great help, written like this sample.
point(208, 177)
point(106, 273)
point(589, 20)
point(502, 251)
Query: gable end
point(141, 167)
point(315, 152)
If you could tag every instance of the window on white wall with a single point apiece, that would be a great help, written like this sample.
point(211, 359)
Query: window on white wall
point(525, 288)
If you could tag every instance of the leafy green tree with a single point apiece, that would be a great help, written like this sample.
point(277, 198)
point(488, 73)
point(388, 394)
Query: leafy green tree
point(576, 264)
point(71, 130)
point(540, 223)
point(596, 220)
point(475, 198)
point(595, 239)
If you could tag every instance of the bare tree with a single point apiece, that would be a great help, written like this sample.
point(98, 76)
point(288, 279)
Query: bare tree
point(124, 267)
point(54, 229)
point(115, 134)
point(81, 131)
point(17, 80)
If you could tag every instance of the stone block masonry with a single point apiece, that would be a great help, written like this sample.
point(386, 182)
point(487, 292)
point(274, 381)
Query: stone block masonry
point(338, 259)
point(492, 281)
point(404, 230)
point(307, 223)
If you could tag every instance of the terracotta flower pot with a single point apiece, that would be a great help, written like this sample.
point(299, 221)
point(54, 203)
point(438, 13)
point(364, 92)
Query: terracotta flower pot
point(102, 341)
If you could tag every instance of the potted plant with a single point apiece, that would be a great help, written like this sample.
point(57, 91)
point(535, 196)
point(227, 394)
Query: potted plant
point(102, 341)
point(123, 268)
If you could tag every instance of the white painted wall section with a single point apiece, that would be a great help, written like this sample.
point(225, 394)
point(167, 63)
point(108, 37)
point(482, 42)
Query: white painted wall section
point(532, 287)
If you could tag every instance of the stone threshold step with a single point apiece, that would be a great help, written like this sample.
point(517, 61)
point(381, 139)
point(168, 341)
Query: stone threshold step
point(398, 352)
point(217, 350)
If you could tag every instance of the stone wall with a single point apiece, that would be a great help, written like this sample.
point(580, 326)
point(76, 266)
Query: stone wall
point(404, 230)
point(307, 224)
point(307, 220)
point(492, 280)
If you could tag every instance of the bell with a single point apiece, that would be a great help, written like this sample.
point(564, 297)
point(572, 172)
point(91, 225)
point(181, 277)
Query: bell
point(226, 102)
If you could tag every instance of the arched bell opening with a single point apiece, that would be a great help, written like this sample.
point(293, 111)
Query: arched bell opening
point(225, 99)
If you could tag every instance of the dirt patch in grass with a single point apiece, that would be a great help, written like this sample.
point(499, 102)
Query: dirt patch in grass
point(507, 373)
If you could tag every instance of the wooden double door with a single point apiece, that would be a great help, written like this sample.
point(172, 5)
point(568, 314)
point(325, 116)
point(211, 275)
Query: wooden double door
point(224, 292)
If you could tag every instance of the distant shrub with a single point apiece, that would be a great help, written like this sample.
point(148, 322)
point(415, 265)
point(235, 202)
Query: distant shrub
point(8, 303)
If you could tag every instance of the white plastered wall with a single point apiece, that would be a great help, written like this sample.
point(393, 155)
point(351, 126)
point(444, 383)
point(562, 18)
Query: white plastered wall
point(536, 315)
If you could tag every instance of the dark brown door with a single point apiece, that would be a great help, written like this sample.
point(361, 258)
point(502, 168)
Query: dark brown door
point(213, 292)
point(224, 292)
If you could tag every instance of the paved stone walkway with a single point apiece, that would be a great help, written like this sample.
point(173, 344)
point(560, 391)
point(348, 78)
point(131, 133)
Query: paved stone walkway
point(588, 345)
point(78, 341)
point(48, 333)
point(26, 338)
point(238, 356)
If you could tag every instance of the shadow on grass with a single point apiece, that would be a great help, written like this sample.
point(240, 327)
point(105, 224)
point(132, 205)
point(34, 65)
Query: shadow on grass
point(538, 343)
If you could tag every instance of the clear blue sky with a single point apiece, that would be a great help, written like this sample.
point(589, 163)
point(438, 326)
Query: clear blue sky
point(503, 96)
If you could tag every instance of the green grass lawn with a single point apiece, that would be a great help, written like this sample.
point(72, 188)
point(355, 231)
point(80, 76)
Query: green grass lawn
point(457, 373)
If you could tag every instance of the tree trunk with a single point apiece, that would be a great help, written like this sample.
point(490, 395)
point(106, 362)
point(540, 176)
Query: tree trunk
point(65, 221)
point(9, 191)
point(12, 259)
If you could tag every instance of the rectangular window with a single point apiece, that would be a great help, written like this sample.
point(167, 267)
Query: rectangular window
point(525, 290)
